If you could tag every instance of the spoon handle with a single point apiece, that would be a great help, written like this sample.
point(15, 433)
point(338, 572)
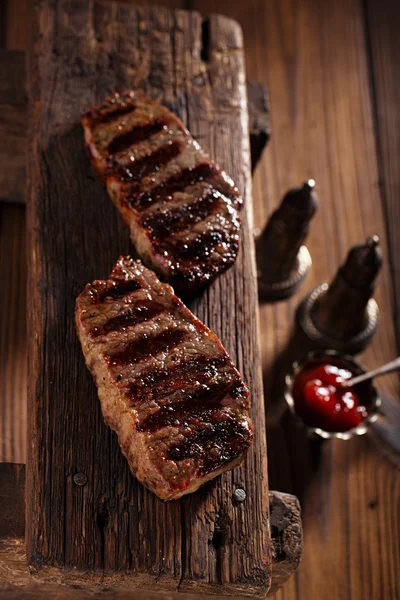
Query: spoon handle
point(388, 368)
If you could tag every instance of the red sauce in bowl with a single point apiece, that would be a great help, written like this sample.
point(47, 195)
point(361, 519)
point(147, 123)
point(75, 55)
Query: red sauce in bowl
point(321, 402)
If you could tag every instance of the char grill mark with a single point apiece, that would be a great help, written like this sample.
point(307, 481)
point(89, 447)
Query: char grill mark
point(117, 292)
point(108, 117)
point(161, 225)
point(156, 384)
point(177, 183)
point(198, 249)
point(146, 347)
point(137, 134)
point(148, 162)
point(145, 165)
point(198, 407)
point(167, 387)
point(147, 310)
point(215, 444)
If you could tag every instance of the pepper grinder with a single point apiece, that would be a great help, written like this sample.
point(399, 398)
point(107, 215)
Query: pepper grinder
point(282, 260)
point(343, 315)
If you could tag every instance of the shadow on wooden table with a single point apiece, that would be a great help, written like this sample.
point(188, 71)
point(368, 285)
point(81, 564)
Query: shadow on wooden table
point(293, 456)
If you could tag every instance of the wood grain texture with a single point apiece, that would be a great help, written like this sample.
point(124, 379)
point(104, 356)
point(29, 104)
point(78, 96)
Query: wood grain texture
point(16, 19)
point(313, 55)
point(13, 361)
point(17, 15)
point(3, 23)
point(17, 584)
point(112, 524)
point(12, 500)
point(286, 536)
point(384, 44)
point(13, 126)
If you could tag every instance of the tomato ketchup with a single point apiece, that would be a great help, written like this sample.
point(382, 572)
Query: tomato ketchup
point(320, 400)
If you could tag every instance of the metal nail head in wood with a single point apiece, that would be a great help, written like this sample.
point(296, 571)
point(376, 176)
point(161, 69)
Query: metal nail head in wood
point(80, 479)
point(239, 495)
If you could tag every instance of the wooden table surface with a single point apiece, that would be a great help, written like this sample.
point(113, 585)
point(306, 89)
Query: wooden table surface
point(332, 71)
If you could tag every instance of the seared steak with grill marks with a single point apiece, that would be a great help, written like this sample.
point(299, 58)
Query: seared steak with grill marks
point(165, 382)
point(181, 208)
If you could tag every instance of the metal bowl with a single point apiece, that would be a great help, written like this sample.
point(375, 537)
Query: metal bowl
point(356, 368)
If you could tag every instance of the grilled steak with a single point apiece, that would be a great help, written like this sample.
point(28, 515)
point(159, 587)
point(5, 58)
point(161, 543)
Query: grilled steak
point(165, 382)
point(181, 208)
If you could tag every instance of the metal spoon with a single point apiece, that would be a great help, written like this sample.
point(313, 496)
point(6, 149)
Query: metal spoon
point(387, 368)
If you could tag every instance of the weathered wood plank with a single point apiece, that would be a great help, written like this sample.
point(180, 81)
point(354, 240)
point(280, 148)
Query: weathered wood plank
point(13, 94)
point(13, 359)
point(225, 83)
point(287, 538)
point(112, 523)
point(17, 584)
point(13, 126)
point(286, 531)
point(383, 20)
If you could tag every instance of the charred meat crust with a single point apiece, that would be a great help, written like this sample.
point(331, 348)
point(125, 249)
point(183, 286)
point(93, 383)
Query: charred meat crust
point(165, 382)
point(181, 208)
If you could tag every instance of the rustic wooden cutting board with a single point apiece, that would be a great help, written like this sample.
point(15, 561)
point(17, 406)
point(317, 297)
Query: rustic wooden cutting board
point(85, 512)
point(286, 539)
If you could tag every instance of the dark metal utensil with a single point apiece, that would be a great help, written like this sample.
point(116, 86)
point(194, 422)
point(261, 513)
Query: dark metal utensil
point(389, 367)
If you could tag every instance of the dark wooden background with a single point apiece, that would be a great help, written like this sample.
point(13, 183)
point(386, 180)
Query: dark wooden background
point(333, 73)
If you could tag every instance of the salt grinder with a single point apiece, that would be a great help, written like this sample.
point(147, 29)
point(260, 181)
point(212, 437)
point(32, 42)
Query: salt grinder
point(282, 260)
point(343, 315)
